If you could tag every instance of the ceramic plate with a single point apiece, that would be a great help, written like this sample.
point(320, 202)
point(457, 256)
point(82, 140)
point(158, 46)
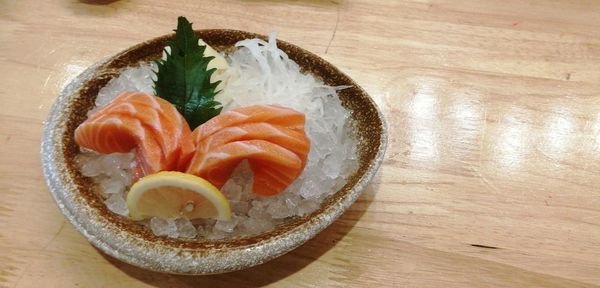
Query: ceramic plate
point(135, 244)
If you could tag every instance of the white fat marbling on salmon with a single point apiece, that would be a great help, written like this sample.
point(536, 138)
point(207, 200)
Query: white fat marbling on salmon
point(237, 115)
point(113, 121)
point(238, 131)
point(125, 107)
point(248, 148)
point(273, 130)
point(152, 100)
point(209, 128)
point(217, 155)
point(155, 122)
point(212, 156)
point(277, 176)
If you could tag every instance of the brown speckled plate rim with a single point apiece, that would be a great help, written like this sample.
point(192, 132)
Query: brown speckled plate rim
point(130, 243)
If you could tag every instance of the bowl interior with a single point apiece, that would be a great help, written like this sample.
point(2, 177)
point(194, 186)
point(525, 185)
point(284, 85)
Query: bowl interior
point(367, 121)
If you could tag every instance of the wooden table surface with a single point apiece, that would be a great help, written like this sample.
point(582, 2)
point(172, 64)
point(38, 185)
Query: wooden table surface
point(491, 178)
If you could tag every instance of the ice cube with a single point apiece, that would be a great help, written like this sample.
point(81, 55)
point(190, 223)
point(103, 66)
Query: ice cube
point(90, 169)
point(163, 227)
point(331, 165)
point(307, 207)
point(226, 226)
point(116, 203)
point(202, 231)
point(254, 226)
point(309, 189)
point(112, 185)
point(291, 201)
point(216, 235)
point(232, 191)
point(116, 161)
point(278, 209)
point(257, 210)
point(240, 207)
point(185, 228)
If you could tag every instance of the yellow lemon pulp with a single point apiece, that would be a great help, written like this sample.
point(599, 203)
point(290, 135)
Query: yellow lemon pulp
point(170, 194)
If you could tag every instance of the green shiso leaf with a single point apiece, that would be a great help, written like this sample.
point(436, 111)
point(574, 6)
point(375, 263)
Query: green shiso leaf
point(184, 78)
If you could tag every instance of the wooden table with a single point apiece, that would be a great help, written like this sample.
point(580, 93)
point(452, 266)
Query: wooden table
point(492, 175)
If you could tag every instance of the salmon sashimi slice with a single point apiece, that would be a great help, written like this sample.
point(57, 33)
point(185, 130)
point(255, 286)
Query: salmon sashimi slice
point(158, 116)
point(293, 140)
point(111, 133)
point(271, 114)
point(152, 126)
point(217, 165)
point(265, 135)
point(271, 180)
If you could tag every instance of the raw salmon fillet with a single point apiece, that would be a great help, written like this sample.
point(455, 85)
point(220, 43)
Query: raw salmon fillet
point(152, 126)
point(271, 114)
point(271, 138)
point(293, 140)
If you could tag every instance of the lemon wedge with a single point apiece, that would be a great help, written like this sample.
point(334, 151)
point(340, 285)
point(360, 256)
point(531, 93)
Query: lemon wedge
point(218, 62)
point(170, 194)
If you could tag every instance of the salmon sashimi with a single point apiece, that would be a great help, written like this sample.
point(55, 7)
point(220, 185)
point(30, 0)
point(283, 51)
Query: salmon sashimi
point(271, 180)
point(271, 114)
point(118, 134)
point(271, 138)
point(161, 118)
point(152, 126)
point(293, 140)
point(217, 165)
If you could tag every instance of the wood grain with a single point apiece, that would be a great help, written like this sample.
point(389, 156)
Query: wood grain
point(491, 176)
